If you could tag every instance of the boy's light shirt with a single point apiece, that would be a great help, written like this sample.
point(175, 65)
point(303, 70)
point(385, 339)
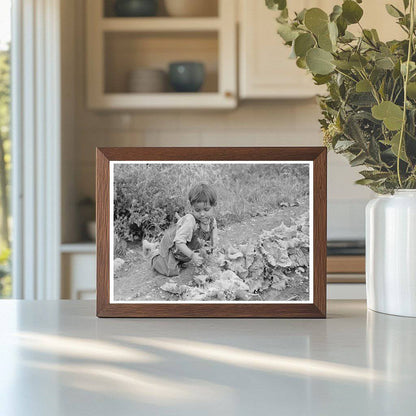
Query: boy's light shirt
point(186, 227)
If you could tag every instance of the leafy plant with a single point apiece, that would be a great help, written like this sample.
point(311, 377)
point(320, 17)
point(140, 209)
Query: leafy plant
point(147, 197)
point(369, 112)
point(255, 270)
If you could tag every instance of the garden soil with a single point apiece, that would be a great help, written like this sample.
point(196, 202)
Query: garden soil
point(136, 281)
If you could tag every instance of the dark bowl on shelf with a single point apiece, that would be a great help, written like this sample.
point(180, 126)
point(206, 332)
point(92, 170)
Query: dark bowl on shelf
point(186, 76)
point(135, 8)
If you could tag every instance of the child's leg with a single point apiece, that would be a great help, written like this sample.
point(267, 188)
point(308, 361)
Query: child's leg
point(167, 266)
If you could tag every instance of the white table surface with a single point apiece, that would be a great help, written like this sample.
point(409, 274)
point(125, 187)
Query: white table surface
point(57, 358)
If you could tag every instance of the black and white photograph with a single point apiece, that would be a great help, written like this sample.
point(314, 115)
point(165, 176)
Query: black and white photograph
point(211, 232)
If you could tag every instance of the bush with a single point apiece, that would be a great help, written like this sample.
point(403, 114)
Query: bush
point(147, 196)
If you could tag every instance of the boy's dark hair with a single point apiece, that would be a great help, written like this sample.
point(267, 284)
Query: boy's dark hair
point(202, 193)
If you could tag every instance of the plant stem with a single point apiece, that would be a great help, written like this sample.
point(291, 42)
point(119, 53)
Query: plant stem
point(345, 75)
point(406, 79)
point(392, 90)
point(369, 41)
point(373, 89)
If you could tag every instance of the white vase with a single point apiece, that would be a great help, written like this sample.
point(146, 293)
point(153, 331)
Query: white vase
point(391, 253)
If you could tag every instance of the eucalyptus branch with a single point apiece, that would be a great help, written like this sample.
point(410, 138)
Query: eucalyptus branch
point(397, 95)
point(369, 41)
point(379, 121)
point(392, 90)
point(406, 79)
point(346, 75)
point(373, 89)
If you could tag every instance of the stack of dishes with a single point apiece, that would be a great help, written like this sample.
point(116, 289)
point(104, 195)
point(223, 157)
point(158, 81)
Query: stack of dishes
point(147, 80)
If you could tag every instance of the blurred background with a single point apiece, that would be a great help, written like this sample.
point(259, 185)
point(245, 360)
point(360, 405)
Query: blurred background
point(101, 73)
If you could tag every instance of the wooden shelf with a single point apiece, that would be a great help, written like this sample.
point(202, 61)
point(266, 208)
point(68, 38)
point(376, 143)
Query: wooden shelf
point(346, 264)
point(163, 101)
point(81, 247)
point(116, 46)
point(159, 24)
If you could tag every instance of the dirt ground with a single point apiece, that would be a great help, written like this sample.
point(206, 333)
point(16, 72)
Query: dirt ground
point(136, 281)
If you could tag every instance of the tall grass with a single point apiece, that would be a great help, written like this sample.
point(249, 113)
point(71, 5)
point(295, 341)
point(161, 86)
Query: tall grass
point(146, 196)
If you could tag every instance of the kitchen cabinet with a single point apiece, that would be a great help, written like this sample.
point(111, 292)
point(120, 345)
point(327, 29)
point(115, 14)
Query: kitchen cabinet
point(78, 271)
point(118, 45)
point(265, 70)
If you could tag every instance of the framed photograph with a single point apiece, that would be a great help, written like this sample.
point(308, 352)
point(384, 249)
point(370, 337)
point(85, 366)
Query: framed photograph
point(211, 232)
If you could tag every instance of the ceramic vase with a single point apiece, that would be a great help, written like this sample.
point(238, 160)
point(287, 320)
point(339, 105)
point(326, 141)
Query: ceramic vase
point(391, 253)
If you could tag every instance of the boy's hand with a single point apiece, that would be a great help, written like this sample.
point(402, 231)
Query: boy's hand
point(197, 259)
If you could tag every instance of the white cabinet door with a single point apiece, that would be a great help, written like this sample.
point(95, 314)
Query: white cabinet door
point(265, 68)
point(78, 276)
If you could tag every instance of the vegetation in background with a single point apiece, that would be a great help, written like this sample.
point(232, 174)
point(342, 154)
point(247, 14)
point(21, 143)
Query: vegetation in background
point(5, 166)
point(369, 113)
point(147, 196)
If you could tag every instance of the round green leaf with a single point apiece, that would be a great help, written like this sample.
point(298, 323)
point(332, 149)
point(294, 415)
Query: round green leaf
point(342, 64)
point(385, 63)
point(276, 4)
point(301, 15)
point(321, 79)
point(358, 61)
point(393, 11)
point(342, 25)
point(286, 32)
point(303, 43)
point(363, 86)
point(391, 114)
point(319, 61)
point(336, 12)
point(375, 35)
point(412, 67)
point(394, 144)
point(327, 40)
point(411, 90)
point(316, 20)
point(351, 11)
point(324, 42)
point(301, 63)
point(333, 32)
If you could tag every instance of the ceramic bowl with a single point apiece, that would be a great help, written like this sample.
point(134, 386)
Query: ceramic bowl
point(135, 8)
point(186, 76)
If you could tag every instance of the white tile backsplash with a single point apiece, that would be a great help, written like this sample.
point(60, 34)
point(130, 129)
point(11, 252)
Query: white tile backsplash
point(258, 123)
point(346, 219)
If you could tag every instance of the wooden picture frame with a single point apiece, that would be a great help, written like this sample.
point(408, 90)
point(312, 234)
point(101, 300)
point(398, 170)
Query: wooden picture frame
point(316, 157)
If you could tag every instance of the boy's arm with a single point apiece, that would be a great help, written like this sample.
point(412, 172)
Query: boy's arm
point(184, 249)
point(193, 256)
point(184, 235)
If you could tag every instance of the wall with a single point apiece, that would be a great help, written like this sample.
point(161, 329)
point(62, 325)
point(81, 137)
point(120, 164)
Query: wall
point(256, 123)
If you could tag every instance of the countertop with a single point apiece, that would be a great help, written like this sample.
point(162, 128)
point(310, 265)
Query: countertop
point(57, 358)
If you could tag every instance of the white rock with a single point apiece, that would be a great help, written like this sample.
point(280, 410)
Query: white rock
point(118, 263)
